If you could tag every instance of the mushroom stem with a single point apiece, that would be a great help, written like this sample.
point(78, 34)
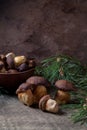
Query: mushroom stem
point(52, 106)
point(39, 92)
point(62, 97)
point(26, 97)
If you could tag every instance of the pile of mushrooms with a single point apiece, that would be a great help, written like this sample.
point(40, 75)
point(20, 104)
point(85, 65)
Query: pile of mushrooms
point(10, 63)
point(35, 92)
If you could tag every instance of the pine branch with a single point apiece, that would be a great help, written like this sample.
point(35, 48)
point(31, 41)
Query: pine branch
point(65, 67)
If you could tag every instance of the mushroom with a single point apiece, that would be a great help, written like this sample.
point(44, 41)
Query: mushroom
point(62, 96)
point(31, 63)
point(19, 60)
point(10, 60)
point(41, 86)
point(25, 94)
point(48, 104)
point(23, 67)
point(38, 80)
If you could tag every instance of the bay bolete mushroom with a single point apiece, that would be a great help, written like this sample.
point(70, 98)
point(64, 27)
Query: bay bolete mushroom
point(23, 67)
point(25, 94)
point(46, 103)
point(62, 95)
point(10, 60)
point(19, 60)
point(41, 86)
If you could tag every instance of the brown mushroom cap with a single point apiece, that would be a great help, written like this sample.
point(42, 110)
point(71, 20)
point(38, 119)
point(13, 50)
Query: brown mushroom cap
point(23, 87)
point(38, 80)
point(65, 85)
point(10, 61)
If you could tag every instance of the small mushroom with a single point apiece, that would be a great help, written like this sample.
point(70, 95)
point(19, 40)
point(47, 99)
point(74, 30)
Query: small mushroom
point(10, 60)
point(23, 67)
point(26, 97)
point(62, 95)
point(31, 63)
point(38, 80)
point(19, 60)
point(25, 94)
point(39, 92)
point(48, 104)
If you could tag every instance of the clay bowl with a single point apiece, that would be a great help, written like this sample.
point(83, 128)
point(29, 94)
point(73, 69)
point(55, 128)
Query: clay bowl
point(11, 81)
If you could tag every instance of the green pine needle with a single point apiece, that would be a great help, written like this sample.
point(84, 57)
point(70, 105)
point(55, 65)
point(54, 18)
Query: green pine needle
point(80, 116)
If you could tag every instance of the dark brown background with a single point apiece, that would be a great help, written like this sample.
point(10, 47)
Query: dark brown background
point(41, 28)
